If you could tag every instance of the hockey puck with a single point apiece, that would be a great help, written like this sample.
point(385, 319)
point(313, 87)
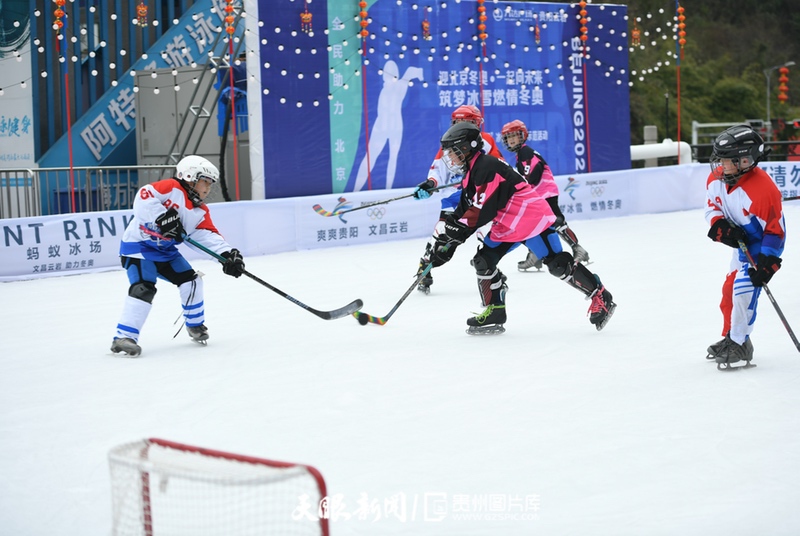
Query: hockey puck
point(363, 320)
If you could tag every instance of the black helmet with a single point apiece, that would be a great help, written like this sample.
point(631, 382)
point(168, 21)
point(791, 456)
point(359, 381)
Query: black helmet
point(742, 147)
point(459, 143)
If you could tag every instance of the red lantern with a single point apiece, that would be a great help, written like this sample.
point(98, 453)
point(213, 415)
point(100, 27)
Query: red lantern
point(58, 13)
point(681, 28)
point(482, 18)
point(364, 33)
point(584, 30)
point(783, 88)
point(229, 27)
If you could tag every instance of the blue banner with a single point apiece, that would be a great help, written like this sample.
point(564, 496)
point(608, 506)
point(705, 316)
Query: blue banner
point(417, 65)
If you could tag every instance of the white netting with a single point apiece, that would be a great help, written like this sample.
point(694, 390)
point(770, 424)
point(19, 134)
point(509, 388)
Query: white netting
point(165, 491)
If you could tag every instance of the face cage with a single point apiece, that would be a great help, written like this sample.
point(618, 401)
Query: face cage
point(718, 170)
point(194, 197)
point(455, 160)
point(511, 136)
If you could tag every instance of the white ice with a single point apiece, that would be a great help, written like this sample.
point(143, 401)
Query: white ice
point(628, 431)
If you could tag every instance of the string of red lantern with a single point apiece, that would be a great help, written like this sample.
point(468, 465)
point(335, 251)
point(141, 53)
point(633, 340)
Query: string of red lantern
point(783, 88)
point(679, 53)
point(364, 33)
point(584, 37)
point(482, 35)
point(231, 29)
point(58, 24)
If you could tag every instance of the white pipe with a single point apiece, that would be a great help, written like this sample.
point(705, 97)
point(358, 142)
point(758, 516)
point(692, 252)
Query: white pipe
point(663, 149)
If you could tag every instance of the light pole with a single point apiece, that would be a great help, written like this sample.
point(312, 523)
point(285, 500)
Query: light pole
point(768, 74)
point(666, 115)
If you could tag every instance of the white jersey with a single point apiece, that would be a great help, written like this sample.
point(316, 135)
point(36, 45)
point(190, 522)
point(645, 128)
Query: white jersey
point(152, 200)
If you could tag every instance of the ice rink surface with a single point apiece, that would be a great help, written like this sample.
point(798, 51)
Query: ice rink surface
point(628, 431)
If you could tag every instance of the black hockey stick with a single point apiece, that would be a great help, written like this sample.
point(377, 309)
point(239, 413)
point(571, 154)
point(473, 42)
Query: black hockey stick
point(364, 318)
point(348, 309)
point(743, 247)
point(795, 198)
point(322, 212)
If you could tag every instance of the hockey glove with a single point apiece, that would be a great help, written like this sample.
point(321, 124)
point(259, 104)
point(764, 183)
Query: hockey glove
point(724, 232)
point(455, 230)
point(442, 251)
point(766, 268)
point(234, 265)
point(424, 189)
point(170, 225)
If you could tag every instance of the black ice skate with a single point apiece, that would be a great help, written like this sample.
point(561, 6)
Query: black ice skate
point(126, 345)
point(531, 261)
point(199, 334)
point(602, 308)
point(716, 348)
point(732, 352)
point(426, 282)
point(489, 322)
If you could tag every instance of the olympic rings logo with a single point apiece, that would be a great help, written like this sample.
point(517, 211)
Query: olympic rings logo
point(376, 213)
point(597, 191)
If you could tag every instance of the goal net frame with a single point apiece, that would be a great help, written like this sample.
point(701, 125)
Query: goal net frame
point(217, 468)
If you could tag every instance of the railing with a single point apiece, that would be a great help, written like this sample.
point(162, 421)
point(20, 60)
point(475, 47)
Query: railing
point(781, 151)
point(19, 193)
point(44, 191)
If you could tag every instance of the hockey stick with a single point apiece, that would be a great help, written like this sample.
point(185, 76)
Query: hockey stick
point(364, 318)
point(795, 198)
point(322, 212)
point(348, 309)
point(341, 312)
point(743, 247)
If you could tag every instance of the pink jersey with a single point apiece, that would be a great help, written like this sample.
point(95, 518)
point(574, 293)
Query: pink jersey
point(493, 191)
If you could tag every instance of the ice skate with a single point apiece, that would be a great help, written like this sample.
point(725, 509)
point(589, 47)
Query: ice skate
point(126, 345)
point(489, 322)
point(531, 261)
point(716, 348)
point(732, 352)
point(602, 308)
point(580, 254)
point(199, 334)
point(426, 282)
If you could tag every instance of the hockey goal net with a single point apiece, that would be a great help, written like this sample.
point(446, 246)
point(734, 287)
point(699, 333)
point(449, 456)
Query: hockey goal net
point(162, 488)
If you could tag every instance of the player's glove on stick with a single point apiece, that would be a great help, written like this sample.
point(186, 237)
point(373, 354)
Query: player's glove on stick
point(170, 226)
point(234, 263)
point(424, 189)
point(724, 232)
point(442, 251)
point(766, 268)
point(455, 230)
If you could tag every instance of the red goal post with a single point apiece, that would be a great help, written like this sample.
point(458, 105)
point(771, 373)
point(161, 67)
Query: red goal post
point(160, 487)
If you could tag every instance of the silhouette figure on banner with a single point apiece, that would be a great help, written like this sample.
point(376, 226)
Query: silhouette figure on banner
point(388, 125)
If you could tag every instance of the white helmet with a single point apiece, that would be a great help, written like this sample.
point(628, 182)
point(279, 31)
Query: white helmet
point(193, 167)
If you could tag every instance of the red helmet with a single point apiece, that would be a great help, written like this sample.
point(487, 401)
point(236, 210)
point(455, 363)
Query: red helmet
point(467, 112)
point(514, 135)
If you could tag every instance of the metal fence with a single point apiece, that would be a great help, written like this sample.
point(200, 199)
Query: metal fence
point(45, 191)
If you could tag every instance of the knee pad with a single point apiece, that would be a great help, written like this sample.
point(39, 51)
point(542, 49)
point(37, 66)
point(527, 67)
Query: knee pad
point(184, 277)
point(482, 264)
point(560, 265)
point(143, 290)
